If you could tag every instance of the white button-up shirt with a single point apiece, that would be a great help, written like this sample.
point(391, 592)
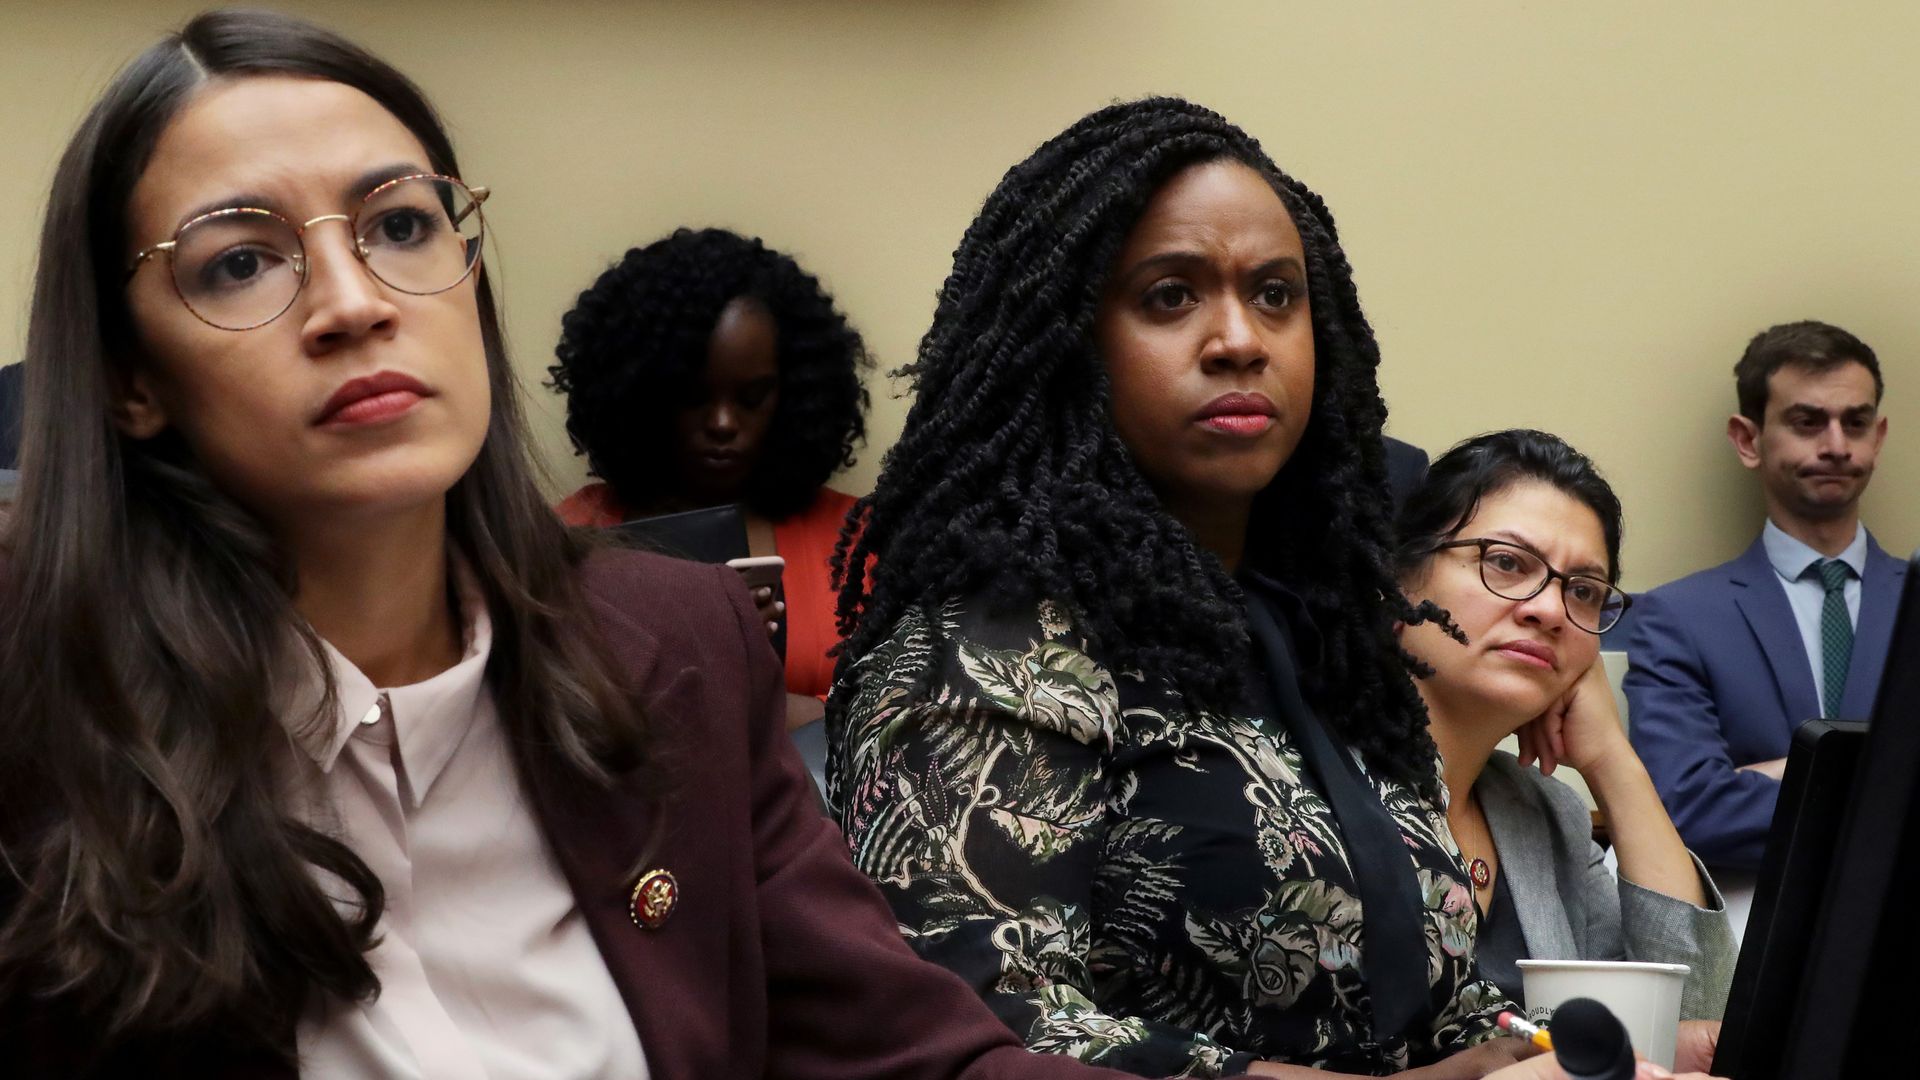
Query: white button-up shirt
point(487, 969)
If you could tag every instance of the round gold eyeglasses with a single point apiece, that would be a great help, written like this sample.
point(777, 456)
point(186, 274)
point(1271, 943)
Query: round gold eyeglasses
point(242, 267)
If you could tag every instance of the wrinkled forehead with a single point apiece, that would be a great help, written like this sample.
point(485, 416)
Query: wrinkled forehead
point(1216, 202)
point(301, 147)
point(1540, 516)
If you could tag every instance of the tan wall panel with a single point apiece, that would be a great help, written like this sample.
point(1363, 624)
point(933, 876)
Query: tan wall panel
point(1564, 216)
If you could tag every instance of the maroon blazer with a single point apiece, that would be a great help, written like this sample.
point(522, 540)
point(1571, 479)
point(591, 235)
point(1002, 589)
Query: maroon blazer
point(779, 959)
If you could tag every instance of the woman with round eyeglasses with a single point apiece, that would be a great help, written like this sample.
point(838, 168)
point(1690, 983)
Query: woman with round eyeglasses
point(240, 267)
point(1516, 535)
point(325, 747)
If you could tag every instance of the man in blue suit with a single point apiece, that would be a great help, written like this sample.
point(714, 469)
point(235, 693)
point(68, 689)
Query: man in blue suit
point(1726, 663)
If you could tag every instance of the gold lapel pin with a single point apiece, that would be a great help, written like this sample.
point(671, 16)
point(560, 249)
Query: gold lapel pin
point(654, 896)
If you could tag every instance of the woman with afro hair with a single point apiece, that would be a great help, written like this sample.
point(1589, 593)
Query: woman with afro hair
point(706, 369)
point(1121, 727)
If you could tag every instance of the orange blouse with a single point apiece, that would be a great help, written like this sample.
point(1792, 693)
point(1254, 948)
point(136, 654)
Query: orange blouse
point(805, 541)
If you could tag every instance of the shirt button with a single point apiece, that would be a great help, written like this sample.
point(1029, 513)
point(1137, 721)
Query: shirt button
point(373, 715)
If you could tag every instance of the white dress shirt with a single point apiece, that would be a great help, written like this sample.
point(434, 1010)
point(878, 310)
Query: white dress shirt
point(1790, 559)
point(487, 969)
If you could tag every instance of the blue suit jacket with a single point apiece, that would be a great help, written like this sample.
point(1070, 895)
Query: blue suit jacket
point(1406, 467)
point(1719, 679)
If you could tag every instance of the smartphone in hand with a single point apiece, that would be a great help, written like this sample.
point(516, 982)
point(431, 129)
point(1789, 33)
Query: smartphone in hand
point(763, 572)
point(760, 571)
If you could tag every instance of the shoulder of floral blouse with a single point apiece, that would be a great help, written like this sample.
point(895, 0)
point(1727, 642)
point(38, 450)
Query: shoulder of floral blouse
point(981, 620)
point(989, 618)
point(1023, 656)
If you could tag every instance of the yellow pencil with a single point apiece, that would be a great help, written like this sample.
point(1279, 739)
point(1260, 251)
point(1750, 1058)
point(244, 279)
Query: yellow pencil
point(1532, 1033)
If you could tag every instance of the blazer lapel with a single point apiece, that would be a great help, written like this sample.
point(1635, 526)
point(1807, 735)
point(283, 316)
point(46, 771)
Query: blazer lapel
point(599, 836)
point(1523, 835)
point(1873, 634)
point(1763, 603)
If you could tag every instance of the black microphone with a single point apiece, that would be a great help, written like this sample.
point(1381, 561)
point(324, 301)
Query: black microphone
point(1590, 1042)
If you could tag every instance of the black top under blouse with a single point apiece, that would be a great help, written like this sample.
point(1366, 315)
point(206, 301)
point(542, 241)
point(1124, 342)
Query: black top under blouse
point(1501, 945)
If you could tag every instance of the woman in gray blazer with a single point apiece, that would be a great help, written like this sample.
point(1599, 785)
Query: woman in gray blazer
point(1517, 537)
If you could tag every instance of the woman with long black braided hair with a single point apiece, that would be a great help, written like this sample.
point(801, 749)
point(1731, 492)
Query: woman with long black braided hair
point(1121, 726)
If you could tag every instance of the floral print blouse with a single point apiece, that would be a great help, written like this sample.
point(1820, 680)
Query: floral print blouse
point(1143, 888)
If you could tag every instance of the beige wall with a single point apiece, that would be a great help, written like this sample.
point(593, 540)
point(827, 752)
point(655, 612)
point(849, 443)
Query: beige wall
point(1564, 216)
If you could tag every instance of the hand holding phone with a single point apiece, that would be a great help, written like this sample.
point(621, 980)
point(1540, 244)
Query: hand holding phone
point(762, 574)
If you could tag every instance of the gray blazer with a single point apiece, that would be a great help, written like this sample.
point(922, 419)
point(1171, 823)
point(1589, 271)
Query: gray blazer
point(1572, 908)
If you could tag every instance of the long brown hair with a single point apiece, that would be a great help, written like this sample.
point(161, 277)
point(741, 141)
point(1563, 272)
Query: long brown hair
point(152, 882)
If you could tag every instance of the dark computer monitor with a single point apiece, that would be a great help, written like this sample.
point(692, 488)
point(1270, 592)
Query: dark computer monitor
point(1822, 986)
point(1786, 902)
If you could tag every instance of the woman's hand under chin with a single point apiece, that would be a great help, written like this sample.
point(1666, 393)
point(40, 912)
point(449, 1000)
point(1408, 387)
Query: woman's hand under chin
point(1581, 729)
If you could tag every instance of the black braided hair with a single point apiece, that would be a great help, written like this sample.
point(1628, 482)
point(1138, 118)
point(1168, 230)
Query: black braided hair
point(635, 341)
point(1010, 481)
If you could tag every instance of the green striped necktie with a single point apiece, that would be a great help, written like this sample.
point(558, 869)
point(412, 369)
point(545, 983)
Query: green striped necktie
point(1836, 635)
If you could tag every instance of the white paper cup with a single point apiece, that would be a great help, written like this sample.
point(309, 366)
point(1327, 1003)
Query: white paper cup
point(1646, 997)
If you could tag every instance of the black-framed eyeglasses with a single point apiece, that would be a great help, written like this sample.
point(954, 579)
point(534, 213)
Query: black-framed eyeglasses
point(1514, 571)
point(242, 267)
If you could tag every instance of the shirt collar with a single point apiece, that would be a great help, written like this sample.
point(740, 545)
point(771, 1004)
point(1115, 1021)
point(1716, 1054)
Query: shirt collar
point(429, 719)
point(1790, 557)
